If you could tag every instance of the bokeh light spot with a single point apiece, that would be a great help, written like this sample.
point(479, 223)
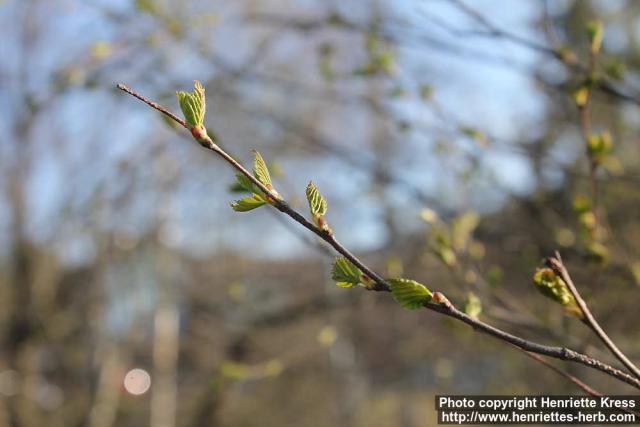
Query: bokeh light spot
point(137, 381)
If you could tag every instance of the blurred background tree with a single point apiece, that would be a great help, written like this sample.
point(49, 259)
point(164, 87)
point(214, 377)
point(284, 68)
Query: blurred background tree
point(423, 123)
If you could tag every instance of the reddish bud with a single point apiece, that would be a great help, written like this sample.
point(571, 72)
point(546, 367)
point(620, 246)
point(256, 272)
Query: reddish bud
point(439, 298)
point(199, 133)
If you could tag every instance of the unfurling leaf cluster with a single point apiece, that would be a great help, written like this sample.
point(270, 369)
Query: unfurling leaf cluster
point(317, 206)
point(193, 105)
point(552, 286)
point(581, 96)
point(596, 252)
point(599, 146)
point(243, 183)
point(595, 32)
point(317, 203)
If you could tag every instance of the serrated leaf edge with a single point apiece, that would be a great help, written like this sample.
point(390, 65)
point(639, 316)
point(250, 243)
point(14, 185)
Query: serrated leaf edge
point(317, 203)
point(255, 199)
point(409, 293)
point(193, 104)
point(261, 171)
point(345, 273)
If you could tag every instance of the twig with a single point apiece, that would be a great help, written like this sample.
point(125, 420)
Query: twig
point(604, 83)
point(557, 266)
point(586, 388)
point(494, 31)
point(561, 353)
point(153, 105)
point(585, 128)
point(443, 307)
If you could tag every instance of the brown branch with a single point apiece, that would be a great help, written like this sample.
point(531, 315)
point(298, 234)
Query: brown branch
point(585, 387)
point(443, 307)
point(153, 105)
point(559, 268)
point(561, 353)
point(585, 128)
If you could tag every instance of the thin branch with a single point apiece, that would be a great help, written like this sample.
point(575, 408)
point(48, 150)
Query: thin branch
point(153, 105)
point(557, 265)
point(443, 306)
point(604, 83)
point(494, 31)
point(561, 353)
point(578, 382)
point(585, 128)
point(585, 387)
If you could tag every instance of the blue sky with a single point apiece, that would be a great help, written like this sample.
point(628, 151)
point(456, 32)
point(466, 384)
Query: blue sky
point(94, 129)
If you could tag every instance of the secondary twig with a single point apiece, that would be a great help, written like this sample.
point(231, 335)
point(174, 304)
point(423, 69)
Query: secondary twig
point(561, 353)
point(585, 128)
point(571, 61)
point(153, 105)
point(585, 387)
point(443, 306)
point(557, 266)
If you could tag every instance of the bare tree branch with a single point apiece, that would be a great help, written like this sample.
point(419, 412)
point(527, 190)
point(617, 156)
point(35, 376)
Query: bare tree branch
point(443, 306)
point(557, 265)
point(585, 387)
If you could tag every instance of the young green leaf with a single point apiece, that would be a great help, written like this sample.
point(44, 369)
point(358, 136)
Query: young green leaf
point(441, 246)
point(245, 184)
point(409, 293)
point(317, 203)
point(581, 96)
point(248, 203)
point(552, 286)
point(345, 274)
point(261, 171)
point(581, 204)
point(494, 276)
point(234, 187)
point(317, 206)
point(478, 136)
point(595, 31)
point(193, 105)
point(599, 146)
point(473, 305)
point(462, 229)
point(615, 68)
point(597, 253)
